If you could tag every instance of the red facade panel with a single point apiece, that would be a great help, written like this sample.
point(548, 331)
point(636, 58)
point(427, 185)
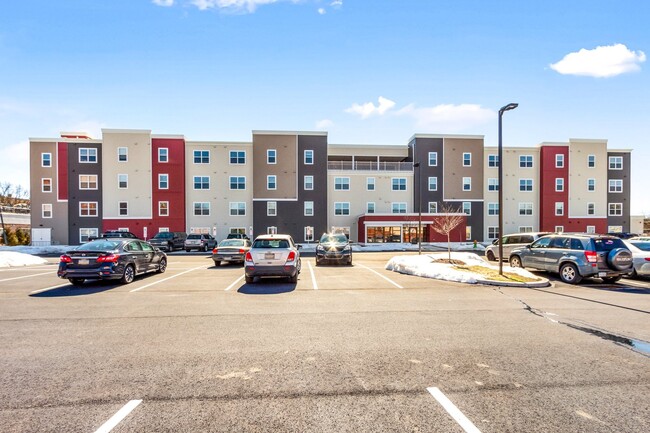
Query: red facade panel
point(174, 166)
point(62, 170)
point(548, 196)
point(457, 235)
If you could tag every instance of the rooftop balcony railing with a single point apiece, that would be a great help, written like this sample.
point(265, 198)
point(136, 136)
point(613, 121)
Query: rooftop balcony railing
point(370, 166)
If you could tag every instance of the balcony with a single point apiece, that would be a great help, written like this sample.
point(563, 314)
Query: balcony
point(370, 165)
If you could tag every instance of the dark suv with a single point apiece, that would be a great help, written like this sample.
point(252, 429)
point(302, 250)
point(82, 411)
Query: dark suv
point(334, 247)
point(169, 241)
point(576, 256)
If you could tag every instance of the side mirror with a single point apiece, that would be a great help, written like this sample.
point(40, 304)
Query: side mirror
point(299, 246)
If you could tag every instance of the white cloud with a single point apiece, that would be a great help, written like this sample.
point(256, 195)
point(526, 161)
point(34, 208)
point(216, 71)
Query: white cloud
point(448, 117)
point(369, 109)
point(234, 5)
point(15, 169)
point(324, 124)
point(337, 3)
point(602, 61)
point(322, 11)
point(164, 3)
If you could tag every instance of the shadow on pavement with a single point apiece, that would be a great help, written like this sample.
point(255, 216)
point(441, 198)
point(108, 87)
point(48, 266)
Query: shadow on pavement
point(270, 286)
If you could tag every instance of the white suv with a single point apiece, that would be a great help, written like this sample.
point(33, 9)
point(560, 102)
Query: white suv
point(273, 256)
point(510, 242)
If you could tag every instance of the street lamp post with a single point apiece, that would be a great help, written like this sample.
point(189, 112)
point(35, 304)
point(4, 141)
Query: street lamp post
point(502, 110)
point(417, 165)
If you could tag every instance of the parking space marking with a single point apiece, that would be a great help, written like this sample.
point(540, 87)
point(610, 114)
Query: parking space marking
point(168, 278)
point(452, 410)
point(118, 417)
point(313, 277)
point(233, 284)
point(48, 288)
point(384, 277)
point(25, 276)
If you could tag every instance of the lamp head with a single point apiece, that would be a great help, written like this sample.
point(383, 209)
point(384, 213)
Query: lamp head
point(510, 106)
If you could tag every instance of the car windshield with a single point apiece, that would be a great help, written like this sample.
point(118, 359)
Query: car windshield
point(642, 245)
point(232, 243)
point(194, 237)
point(164, 235)
point(340, 238)
point(608, 244)
point(271, 243)
point(99, 245)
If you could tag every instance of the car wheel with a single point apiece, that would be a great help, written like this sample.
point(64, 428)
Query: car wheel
point(350, 261)
point(187, 250)
point(205, 248)
point(515, 262)
point(569, 274)
point(170, 247)
point(76, 281)
point(129, 274)
point(162, 266)
point(294, 279)
point(217, 263)
point(620, 259)
point(611, 280)
point(490, 256)
point(250, 280)
point(318, 262)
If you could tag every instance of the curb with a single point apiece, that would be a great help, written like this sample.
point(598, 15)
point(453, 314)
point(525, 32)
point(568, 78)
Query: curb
point(543, 283)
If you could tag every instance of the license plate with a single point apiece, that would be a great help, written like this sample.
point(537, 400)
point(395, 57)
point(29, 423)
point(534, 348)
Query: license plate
point(227, 259)
point(602, 274)
point(269, 256)
point(83, 261)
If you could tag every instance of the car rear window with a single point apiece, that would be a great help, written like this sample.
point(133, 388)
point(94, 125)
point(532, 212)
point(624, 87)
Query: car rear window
point(607, 244)
point(194, 237)
point(163, 236)
point(232, 243)
point(270, 243)
point(99, 245)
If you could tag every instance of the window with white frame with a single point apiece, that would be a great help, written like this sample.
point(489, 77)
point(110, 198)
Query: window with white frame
point(591, 161)
point(163, 229)
point(309, 234)
point(467, 159)
point(493, 184)
point(309, 208)
point(271, 156)
point(88, 208)
point(46, 210)
point(272, 230)
point(271, 208)
point(468, 233)
point(341, 183)
point(559, 184)
point(123, 208)
point(559, 208)
point(493, 232)
point(201, 208)
point(87, 181)
point(398, 184)
point(559, 229)
point(86, 233)
point(46, 160)
point(467, 208)
point(237, 208)
point(87, 155)
point(308, 183)
point(237, 157)
point(370, 183)
point(237, 182)
point(309, 157)
point(163, 208)
point(433, 207)
point(163, 181)
point(433, 159)
point(341, 208)
point(559, 160)
point(591, 208)
point(163, 154)
point(615, 209)
point(398, 207)
point(525, 184)
point(591, 229)
point(616, 163)
point(201, 157)
point(122, 181)
point(525, 208)
point(370, 207)
point(616, 185)
point(525, 161)
point(46, 184)
point(493, 160)
point(271, 182)
point(201, 182)
point(122, 154)
point(467, 184)
point(433, 183)
point(493, 209)
point(591, 184)
point(525, 229)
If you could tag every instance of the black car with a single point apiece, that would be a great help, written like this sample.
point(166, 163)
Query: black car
point(114, 234)
point(169, 241)
point(111, 259)
point(333, 247)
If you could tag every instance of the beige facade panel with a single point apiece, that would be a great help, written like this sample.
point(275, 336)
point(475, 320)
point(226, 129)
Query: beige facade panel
point(520, 208)
point(285, 168)
point(455, 172)
point(368, 150)
point(580, 174)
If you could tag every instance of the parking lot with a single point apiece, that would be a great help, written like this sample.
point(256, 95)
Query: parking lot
point(346, 349)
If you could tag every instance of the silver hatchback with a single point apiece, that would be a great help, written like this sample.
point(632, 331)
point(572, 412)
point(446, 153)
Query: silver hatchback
point(273, 256)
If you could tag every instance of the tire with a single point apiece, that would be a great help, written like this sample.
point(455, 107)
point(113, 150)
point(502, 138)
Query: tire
point(129, 274)
point(620, 259)
point(490, 256)
point(350, 261)
point(162, 266)
point(515, 262)
point(205, 248)
point(170, 247)
point(318, 262)
point(250, 280)
point(76, 281)
point(294, 279)
point(217, 263)
point(611, 280)
point(187, 250)
point(569, 274)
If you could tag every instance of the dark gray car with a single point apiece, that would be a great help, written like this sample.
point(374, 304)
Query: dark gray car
point(168, 241)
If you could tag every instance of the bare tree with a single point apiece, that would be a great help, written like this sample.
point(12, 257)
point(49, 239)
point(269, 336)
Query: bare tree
point(11, 194)
point(448, 219)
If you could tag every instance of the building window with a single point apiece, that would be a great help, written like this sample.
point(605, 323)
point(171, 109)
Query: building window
point(342, 183)
point(559, 184)
point(237, 208)
point(309, 157)
point(87, 155)
point(272, 230)
point(46, 184)
point(163, 208)
point(615, 209)
point(163, 181)
point(309, 208)
point(201, 182)
point(399, 184)
point(237, 157)
point(591, 208)
point(87, 181)
point(163, 229)
point(559, 229)
point(201, 208)
point(271, 208)
point(88, 208)
point(559, 208)
point(467, 184)
point(467, 159)
point(370, 207)
point(433, 183)
point(309, 234)
point(559, 160)
point(271, 182)
point(493, 208)
point(525, 208)
point(398, 207)
point(122, 154)
point(493, 160)
point(163, 154)
point(46, 160)
point(525, 184)
point(468, 233)
point(308, 183)
point(467, 208)
point(433, 159)
point(525, 229)
point(591, 184)
point(493, 232)
point(433, 207)
point(370, 183)
point(616, 163)
point(46, 210)
point(201, 157)
point(591, 161)
point(271, 156)
point(86, 233)
point(526, 161)
point(123, 208)
point(237, 182)
point(493, 184)
point(591, 229)
point(616, 185)
point(122, 181)
point(341, 208)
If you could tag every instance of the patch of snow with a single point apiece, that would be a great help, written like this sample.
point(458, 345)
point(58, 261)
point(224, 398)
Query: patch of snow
point(14, 258)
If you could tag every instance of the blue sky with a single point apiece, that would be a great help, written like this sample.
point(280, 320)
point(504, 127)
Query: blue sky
point(365, 71)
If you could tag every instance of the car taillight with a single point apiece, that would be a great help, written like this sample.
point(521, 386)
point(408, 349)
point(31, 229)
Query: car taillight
point(242, 251)
point(249, 257)
point(647, 259)
point(111, 258)
point(65, 258)
point(215, 251)
point(292, 256)
point(592, 256)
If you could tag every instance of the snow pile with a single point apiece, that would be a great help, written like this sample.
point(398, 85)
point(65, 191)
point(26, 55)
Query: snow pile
point(13, 258)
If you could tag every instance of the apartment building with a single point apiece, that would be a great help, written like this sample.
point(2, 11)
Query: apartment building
point(296, 182)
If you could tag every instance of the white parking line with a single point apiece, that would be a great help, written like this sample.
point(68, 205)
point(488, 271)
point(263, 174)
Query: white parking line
point(452, 410)
point(25, 276)
point(48, 288)
point(385, 278)
point(119, 416)
point(168, 278)
point(233, 284)
point(313, 277)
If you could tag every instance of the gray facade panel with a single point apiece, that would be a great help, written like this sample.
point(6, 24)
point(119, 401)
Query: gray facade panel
point(624, 197)
point(419, 149)
point(77, 195)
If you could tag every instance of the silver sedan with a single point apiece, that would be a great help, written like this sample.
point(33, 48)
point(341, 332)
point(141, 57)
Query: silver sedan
point(640, 257)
